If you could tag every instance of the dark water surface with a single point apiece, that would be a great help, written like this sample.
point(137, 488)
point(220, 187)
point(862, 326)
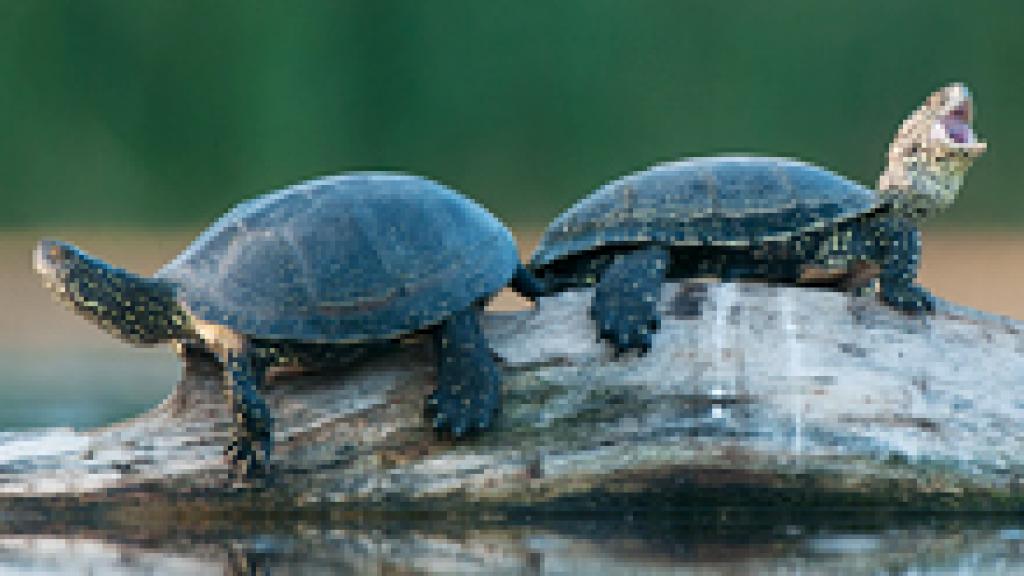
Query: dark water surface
point(594, 546)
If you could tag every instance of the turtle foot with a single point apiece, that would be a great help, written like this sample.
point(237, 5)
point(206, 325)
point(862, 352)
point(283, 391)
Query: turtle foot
point(248, 460)
point(911, 299)
point(456, 413)
point(468, 393)
point(625, 306)
point(626, 330)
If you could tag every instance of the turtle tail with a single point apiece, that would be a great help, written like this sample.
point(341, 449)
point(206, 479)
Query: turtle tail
point(136, 309)
point(529, 285)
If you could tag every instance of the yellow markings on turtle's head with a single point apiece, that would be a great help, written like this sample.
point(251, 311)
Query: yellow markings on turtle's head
point(932, 151)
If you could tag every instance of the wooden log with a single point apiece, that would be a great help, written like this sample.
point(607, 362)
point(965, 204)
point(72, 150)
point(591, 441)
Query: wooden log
point(753, 395)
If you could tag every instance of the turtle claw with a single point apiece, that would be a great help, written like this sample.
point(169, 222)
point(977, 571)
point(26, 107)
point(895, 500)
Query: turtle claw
point(248, 462)
point(911, 299)
point(624, 342)
point(444, 418)
point(628, 330)
point(456, 427)
point(646, 341)
point(454, 413)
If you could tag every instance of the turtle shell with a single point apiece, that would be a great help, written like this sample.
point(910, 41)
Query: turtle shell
point(344, 259)
point(719, 201)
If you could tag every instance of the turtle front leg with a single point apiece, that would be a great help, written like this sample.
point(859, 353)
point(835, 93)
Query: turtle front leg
point(252, 437)
point(898, 245)
point(626, 298)
point(468, 392)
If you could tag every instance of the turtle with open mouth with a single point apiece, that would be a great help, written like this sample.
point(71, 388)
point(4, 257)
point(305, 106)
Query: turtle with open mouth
point(762, 218)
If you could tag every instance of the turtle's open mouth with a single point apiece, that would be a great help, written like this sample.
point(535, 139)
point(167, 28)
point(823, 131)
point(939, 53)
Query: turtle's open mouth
point(933, 149)
point(953, 126)
point(958, 124)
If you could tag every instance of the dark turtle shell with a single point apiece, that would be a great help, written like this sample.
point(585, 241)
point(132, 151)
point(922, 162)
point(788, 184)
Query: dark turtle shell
point(344, 259)
point(718, 201)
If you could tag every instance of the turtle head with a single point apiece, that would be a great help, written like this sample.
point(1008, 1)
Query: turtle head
point(931, 153)
point(138, 310)
point(58, 262)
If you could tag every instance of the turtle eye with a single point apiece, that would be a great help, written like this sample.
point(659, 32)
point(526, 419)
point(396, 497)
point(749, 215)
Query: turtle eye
point(55, 253)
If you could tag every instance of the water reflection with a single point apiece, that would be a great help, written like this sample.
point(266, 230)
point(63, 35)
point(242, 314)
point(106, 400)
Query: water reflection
point(608, 546)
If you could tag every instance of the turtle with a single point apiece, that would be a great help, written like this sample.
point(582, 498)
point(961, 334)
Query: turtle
point(760, 218)
point(312, 275)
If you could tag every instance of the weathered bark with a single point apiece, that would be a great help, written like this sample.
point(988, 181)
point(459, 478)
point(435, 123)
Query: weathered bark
point(752, 395)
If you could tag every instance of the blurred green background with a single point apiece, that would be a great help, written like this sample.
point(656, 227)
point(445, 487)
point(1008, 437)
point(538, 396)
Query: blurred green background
point(158, 113)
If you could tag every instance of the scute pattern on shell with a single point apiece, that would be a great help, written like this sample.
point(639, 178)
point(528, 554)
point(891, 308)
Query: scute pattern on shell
point(722, 201)
point(344, 259)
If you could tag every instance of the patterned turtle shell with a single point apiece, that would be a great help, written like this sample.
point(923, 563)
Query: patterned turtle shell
point(344, 259)
point(718, 201)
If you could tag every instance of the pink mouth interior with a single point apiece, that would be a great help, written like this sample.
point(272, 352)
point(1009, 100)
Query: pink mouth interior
point(957, 125)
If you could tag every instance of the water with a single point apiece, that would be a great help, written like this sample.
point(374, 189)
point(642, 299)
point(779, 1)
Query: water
point(649, 546)
point(82, 387)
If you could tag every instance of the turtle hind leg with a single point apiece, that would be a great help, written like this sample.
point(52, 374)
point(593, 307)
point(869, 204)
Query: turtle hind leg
point(252, 438)
point(468, 392)
point(625, 305)
point(898, 245)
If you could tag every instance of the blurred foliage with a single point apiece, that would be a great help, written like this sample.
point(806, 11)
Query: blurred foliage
point(166, 113)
